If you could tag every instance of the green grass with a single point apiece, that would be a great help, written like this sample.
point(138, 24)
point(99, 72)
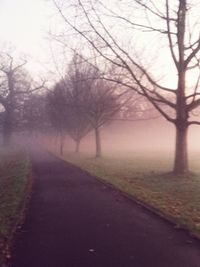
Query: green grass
point(145, 177)
point(14, 172)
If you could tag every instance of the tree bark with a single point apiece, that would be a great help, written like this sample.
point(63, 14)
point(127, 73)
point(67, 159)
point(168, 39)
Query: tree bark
point(98, 143)
point(181, 153)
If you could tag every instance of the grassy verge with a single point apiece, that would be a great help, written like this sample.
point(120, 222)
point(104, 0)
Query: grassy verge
point(14, 174)
point(144, 177)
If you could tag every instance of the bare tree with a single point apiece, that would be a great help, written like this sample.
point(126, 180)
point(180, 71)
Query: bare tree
point(102, 104)
point(173, 22)
point(81, 102)
point(79, 128)
point(77, 83)
point(94, 101)
point(34, 119)
point(58, 112)
point(15, 83)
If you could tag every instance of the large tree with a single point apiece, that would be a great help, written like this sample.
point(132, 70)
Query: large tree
point(15, 85)
point(172, 24)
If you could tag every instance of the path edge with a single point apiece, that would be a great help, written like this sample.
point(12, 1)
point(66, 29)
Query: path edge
point(132, 198)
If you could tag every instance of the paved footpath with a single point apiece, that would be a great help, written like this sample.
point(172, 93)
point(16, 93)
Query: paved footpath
point(75, 221)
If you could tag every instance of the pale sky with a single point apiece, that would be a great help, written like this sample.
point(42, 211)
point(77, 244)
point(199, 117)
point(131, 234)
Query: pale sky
point(24, 25)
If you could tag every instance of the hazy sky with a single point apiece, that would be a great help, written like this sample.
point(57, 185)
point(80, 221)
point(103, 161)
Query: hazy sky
point(24, 26)
point(25, 23)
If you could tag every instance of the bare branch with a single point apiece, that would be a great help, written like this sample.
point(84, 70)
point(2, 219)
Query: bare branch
point(193, 53)
point(86, 37)
point(193, 105)
point(141, 26)
point(169, 35)
point(193, 123)
point(129, 57)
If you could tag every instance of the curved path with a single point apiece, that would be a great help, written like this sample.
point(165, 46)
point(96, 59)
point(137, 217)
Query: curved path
point(75, 221)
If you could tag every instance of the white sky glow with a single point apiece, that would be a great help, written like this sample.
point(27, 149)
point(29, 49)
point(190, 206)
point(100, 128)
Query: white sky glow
point(24, 27)
point(23, 23)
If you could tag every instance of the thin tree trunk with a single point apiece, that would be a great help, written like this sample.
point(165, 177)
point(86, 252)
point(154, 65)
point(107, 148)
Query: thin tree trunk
point(62, 143)
point(181, 153)
point(98, 143)
point(7, 129)
point(6, 136)
point(77, 146)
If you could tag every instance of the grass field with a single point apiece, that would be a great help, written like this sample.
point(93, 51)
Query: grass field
point(14, 172)
point(146, 177)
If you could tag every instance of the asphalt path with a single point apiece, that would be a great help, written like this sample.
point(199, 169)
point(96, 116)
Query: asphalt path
point(73, 220)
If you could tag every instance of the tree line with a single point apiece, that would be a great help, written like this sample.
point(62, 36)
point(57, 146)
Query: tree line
point(173, 23)
point(80, 102)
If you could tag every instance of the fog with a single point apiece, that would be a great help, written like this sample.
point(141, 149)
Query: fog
point(156, 136)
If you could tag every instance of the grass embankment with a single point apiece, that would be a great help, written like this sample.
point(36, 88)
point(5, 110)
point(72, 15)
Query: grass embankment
point(145, 178)
point(14, 184)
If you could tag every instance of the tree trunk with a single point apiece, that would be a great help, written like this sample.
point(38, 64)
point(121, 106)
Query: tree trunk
point(6, 135)
point(7, 128)
point(98, 143)
point(77, 146)
point(62, 143)
point(181, 155)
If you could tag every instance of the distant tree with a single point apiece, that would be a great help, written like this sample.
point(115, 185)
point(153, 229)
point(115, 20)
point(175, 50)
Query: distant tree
point(79, 126)
point(93, 102)
point(103, 103)
point(77, 83)
point(34, 117)
point(59, 112)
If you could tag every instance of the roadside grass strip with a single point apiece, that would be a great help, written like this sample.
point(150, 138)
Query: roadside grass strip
point(148, 180)
point(14, 174)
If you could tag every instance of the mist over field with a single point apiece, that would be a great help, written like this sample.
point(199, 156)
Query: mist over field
point(154, 135)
